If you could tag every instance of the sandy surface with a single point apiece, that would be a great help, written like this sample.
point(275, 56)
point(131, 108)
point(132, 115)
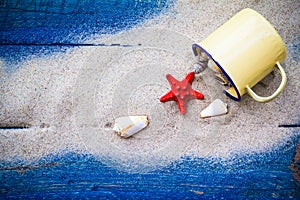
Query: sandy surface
point(70, 99)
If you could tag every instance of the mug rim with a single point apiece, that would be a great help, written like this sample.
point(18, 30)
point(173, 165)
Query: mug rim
point(194, 47)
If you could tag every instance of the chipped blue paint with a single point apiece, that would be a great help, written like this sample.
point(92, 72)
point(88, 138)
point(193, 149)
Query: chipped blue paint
point(260, 176)
point(76, 176)
point(31, 23)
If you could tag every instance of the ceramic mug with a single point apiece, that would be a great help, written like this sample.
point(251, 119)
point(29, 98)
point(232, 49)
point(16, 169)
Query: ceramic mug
point(246, 49)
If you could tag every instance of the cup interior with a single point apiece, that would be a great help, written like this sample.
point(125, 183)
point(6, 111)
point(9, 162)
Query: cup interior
point(221, 75)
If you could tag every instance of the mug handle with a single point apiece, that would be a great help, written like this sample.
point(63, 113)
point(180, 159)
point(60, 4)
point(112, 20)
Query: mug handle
point(276, 93)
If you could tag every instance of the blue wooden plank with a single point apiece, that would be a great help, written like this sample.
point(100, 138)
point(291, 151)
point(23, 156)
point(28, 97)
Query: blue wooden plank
point(25, 23)
point(265, 175)
point(28, 27)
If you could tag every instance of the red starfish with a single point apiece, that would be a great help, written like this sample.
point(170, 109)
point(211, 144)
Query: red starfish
point(181, 91)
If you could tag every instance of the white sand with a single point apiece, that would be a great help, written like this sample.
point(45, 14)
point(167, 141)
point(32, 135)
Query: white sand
point(71, 99)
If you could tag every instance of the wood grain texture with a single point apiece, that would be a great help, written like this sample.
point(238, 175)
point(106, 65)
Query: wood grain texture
point(259, 176)
point(39, 27)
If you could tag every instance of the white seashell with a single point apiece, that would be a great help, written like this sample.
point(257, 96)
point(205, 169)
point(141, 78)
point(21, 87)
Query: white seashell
point(217, 107)
point(212, 65)
point(130, 125)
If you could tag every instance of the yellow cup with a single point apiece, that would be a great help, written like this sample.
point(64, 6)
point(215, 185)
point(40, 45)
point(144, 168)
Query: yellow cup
point(246, 49)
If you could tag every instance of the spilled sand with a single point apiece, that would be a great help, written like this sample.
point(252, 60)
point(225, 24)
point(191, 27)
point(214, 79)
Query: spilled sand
point(69, 100)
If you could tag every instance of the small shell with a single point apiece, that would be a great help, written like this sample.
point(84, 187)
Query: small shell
point(217, 107)
point(130, 125)
point(212, 65)
point(222, 79)
point(199, 67)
